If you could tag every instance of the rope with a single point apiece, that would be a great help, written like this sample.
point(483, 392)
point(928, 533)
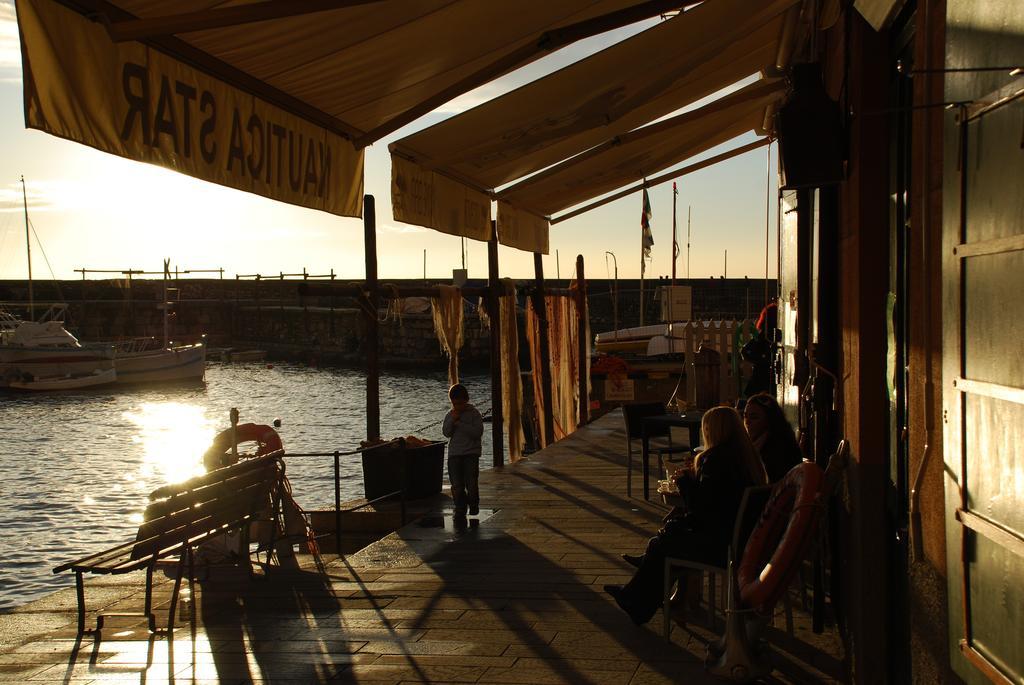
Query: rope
point(39, 243)
point(485, 412)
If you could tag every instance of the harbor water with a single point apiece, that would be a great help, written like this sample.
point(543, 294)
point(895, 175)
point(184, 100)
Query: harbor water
point(76, 468)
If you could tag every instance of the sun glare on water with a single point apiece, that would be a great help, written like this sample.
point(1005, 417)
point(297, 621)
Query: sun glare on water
point(173, 437)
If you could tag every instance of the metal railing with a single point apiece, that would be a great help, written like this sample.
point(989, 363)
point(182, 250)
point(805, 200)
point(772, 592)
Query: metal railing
point(338, 511)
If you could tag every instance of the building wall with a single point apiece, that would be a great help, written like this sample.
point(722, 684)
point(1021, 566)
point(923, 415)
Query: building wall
point(929, 647)
point(863, 226)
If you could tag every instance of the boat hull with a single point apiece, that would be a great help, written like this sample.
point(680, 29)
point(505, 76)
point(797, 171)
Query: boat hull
point(45, 362)
point(56, 383)
point(184, 363)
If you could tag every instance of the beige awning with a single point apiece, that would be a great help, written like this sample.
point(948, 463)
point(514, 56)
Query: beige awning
point(614, 91)
point(645, 151)
point(340, 77)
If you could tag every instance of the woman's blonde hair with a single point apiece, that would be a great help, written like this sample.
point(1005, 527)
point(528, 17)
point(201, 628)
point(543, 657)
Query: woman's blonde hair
point(724, 426)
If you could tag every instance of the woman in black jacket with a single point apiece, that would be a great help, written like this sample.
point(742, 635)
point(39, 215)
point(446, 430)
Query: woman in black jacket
point(701, 529)
point(772, 435)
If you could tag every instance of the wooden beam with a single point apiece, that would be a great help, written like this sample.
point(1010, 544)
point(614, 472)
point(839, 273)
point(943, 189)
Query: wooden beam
point(584, 343)
point(494, 306)
point(548, 41)
point(171, 24)
point(540, 308)
point(370, 319)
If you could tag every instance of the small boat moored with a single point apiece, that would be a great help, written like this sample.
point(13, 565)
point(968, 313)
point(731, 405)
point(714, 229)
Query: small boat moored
point(68, 382)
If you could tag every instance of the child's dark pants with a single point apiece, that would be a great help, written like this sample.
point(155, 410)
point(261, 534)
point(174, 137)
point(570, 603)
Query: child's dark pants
point(464, 474)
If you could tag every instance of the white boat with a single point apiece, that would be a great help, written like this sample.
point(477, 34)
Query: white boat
point(143, 361)
point(68, 382)
point(45, 349)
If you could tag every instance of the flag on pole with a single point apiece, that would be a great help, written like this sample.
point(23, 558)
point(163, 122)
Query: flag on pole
point(647, 238)
point(675, 243)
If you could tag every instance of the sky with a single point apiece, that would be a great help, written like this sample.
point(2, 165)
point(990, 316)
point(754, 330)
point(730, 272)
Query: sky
point(92, 210)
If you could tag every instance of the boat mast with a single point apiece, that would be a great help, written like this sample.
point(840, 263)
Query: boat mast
point(28, 249)
point(166, 303)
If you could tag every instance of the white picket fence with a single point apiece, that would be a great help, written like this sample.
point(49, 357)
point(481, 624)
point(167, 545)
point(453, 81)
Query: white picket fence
point(721, 336)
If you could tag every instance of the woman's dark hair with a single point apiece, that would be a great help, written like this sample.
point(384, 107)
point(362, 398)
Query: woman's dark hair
point(458, 392)
point(778, 425)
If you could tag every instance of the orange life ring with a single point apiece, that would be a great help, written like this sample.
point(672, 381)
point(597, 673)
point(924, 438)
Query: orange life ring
point(781, 538)
point(266, 438)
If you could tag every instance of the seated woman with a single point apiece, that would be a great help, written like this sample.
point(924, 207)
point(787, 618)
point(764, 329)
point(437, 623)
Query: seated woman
point(700, 530)
point(772, 435)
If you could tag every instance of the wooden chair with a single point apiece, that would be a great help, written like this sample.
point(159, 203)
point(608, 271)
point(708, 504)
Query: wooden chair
point(751, 505)
point(634, 415)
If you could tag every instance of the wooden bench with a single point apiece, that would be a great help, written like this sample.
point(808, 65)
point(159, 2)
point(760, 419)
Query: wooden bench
point(180, 517)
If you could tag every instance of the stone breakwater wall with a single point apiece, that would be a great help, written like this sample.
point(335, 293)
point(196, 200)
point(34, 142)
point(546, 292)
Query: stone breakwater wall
point(269, 314)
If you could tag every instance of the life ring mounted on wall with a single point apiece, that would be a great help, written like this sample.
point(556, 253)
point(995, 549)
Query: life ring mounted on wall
point(782, 537)
point(220, 452)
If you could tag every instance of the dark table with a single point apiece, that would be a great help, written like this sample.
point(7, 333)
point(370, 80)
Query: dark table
point(659, 425)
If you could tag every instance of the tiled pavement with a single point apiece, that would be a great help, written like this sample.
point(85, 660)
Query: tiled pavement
point(514, 598)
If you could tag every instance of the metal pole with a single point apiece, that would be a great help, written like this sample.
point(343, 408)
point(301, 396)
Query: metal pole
point(767, 217)
point(372, 325)
point(614, 292)
point(497, 414)
point(689, 209)
point(641, 283)
point(584, 344)
point(28, 250)
point(540, 308)
point(675, 253)
point(167, 268)
point(675, 247)
point(233, 417)
point(337, 503)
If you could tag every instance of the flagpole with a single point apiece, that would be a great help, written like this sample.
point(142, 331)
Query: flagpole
point(688, 210)
point(646, 242)
point(675, 246)
point(642, 267)
point(675, 252)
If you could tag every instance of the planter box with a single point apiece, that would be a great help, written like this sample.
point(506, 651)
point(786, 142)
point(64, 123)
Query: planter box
point(392, 467)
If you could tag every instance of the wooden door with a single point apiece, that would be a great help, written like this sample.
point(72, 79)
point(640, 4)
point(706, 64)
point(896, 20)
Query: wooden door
point(983, 395)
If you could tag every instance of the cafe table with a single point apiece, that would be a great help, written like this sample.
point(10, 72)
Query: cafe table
point(660, 425)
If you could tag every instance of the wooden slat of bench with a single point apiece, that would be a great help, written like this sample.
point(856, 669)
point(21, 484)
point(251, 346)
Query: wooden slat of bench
point(171, 512)
point(217, 475)
point(196, 522)
point(126, 557)
point(209, 491)
point(100, 559)
point(138, 555)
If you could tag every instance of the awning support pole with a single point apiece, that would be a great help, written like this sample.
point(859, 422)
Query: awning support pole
point(497, 414)
point(540, 308)
point(370, 319)
point(582, 339)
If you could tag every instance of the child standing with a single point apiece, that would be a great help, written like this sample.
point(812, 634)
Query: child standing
point(463, 426)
